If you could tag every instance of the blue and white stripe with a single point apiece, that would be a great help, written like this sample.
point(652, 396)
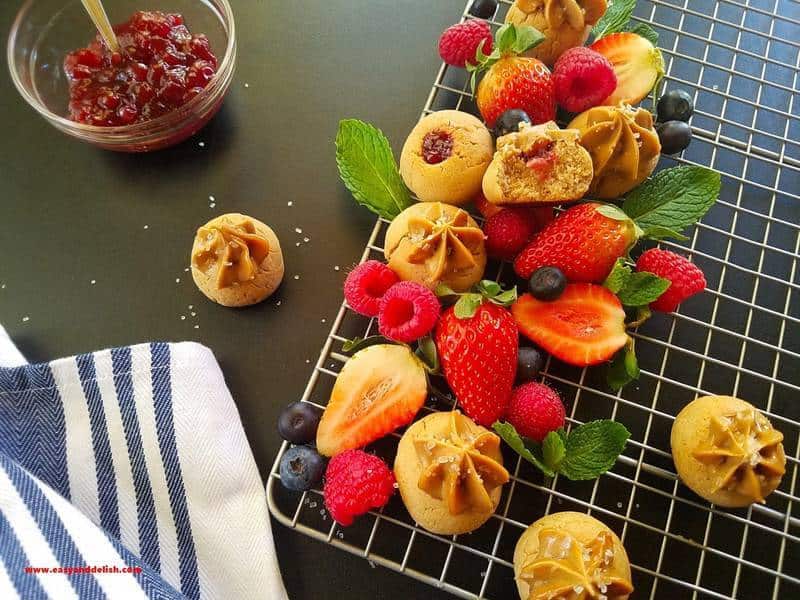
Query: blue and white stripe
point(133, 456)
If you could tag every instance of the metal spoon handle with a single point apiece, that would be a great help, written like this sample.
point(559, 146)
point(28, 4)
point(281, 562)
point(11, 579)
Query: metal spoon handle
point(100, 20)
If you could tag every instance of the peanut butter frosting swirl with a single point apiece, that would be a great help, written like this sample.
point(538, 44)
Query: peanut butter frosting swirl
point(235, 248)
point(623, 144)
point(565, 569)
point(461, 465)
point(745, 453)
point(444, 240)
point(576, 15)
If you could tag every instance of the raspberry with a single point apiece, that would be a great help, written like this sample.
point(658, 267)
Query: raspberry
point(583, 79)
point(508, 231)
point(535, 410)
point(686, 278)
point(459, 43)
point(365, 286)
point(356, 482)
point(408, 311)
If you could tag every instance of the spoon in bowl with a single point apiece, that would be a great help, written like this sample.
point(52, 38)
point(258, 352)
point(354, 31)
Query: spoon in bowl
point(100, 20)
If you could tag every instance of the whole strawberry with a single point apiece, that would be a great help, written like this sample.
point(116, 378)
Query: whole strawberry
point(583, 242)
point(686, 278)
point(515, 81)
point(459, 43)
point(507, 232)
point(479, 359)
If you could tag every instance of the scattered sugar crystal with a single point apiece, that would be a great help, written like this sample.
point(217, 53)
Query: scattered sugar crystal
point(297, 276)
point(308, 361)
point(619, 504)
point(194, 314)
point(306, 240)
point(340, 535)
point(289, 203)
point(298, 230)
point(186, 270)
point(3, 286)
point(322, 320)
point(212, 205)
point(177, 280)
point(278, 303)
point(197, 326)
point(183, 317)
point(191, 306)
point(25, 319)
point(577, 588)
point(483, 574)
point(336, 267)
point(146, 227)
point(312, 505)
point(297, 244)
point(201, 144)
point(247, 85)
point(211, 199)
point(93, 281)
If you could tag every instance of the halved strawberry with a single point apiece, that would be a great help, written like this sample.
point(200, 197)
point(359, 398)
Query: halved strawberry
point(637, 64)
point(380, 389)
point(584, 326)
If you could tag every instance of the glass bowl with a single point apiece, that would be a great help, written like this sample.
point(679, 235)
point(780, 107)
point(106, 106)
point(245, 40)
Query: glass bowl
point(46, 30)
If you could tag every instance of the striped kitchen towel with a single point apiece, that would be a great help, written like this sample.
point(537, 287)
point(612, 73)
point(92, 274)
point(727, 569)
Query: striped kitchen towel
point(126, 474)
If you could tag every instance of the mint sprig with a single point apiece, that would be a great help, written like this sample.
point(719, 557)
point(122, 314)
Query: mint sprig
point(673, 198)
point(586, 452)
point(368, 169)
point(644, 30)
point(624, 368)
point(615, 18)
point(468, 302)
point(635, 289)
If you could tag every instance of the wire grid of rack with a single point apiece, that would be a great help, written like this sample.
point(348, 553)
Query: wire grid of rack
point(740, 60)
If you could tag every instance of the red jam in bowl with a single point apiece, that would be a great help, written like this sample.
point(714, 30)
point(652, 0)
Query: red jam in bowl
point(160, 67)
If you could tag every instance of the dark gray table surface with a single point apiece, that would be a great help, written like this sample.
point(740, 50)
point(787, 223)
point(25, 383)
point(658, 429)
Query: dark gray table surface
point(72, 214)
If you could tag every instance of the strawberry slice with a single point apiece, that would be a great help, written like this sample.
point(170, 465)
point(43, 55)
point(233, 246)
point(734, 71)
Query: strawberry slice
point(380, 389)
point(584, 326)
point(637, 64)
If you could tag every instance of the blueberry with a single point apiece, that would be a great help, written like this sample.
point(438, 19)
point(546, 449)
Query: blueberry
point(674, 136)
point(298, 422)
point(529, 362)
point(509, 121)
point(675, 105)
point(301, 468)
point(547, 283)
point(483, 9)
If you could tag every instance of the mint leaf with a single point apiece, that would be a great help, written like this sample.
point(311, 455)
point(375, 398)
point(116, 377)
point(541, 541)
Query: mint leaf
point(510, 436)
point(427, 353)
point(618, 277)
point(623, 369)
point(644, 30)
point(506, 37)
point(659, 233)
point(592, 449)
point(615, 18)
point(467, 305)
point(642, 288)
point(553, 450)
point(368, 169)
point(674, 198)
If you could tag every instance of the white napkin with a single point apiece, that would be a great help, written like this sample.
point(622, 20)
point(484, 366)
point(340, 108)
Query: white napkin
point(131, 457)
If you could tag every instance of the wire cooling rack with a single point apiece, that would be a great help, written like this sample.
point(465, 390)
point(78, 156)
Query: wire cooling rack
point(739, 59)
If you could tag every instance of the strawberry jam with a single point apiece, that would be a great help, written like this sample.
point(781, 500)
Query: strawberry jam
point(540, 158)
point(160, 67)
point(437, 146)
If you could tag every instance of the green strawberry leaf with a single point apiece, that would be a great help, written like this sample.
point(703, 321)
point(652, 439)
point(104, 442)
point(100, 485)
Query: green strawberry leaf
point(467, 305)
point(642, 288)
point(506, 298)
point(359, 343)
point(368, 169)
point(443, 291)
point(659, 233)
point(518, 444)
point(644, 30)
point(527, 37)
point(615, 18)
point(618, 277)
point(489, 288)
point(612, 212)
point(427, 353)
point(623, 369)
point(592, 449)
point(554, 449)
point(674, 198)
